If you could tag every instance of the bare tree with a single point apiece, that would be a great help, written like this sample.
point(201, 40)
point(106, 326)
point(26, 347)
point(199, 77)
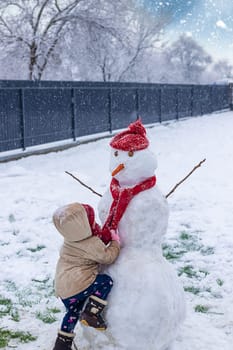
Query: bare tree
point(118, 55)
point(107, 40)
point(146, 34)
point(223, 70)
point(36, 27)
point(188, 59)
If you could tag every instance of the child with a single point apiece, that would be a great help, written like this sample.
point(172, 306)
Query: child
point(77, 280)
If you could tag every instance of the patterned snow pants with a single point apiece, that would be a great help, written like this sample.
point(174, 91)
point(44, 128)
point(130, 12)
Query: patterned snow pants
point(101, 287)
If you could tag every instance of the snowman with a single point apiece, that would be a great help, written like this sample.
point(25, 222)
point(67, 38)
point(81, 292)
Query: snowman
point(146, 305)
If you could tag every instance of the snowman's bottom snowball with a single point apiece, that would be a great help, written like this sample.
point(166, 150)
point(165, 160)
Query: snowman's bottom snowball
point(146, 305)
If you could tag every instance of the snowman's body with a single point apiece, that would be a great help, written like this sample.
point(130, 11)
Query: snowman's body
point(146, 304)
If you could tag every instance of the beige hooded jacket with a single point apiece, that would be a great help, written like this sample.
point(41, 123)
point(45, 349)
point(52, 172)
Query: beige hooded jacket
point(81, 254)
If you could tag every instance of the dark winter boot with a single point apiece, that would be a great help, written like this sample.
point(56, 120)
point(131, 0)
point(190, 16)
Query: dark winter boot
point(64, 341)
point(91, 315)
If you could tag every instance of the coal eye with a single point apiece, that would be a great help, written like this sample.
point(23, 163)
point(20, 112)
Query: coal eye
point(116, 153)
point(130, 153)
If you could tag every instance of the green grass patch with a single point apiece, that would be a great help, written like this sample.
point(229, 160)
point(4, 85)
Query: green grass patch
point(184, 235)
point(5, 306)
point(188, 270)
point(196, 290)
point(47, 316)
point(220, 282)
point(15, 315)
point(172, 253)
point(207, 250)
point(45, 286)
point(27, 297)
point(204, 272)
point(41, 281)
point(192, 289)
point(7, 309)
point(201, 308)
point(10, 285)
point(54, 310)
point(37, 248)
point(189, 242)
point(186, 242)
point(6, 335)
point(191, 272)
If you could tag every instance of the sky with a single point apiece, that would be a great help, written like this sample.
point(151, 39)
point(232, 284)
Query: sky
point(198, 240)
point(210, 22)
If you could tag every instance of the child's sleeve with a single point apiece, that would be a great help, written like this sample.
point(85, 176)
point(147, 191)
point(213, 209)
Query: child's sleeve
point(104, 254)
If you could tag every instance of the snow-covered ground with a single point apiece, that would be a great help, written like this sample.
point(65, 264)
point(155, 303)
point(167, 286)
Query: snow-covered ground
point(199, 240)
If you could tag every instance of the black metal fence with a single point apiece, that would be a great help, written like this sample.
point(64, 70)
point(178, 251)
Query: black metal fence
point(34, 113)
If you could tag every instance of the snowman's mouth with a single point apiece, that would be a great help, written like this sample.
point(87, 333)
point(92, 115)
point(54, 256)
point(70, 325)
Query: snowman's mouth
point(118, 169)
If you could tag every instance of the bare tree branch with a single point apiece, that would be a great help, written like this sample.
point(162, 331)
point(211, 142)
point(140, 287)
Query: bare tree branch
point(39, 16)
point(172, 190)
point(49, 52)
point(11, 35)
point(57, 6)
point(83, 184)
point(185, 178)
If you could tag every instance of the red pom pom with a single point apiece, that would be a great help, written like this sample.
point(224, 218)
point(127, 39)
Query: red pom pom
point(137, 128)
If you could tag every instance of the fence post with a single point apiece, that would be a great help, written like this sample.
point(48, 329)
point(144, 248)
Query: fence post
point(211, 99)
point(177, 105)
point(22, 118)
point(110, 109)
point(231, 96)
point(73, 112)
point(137, 104)
point(160, 105)
point(191, 100)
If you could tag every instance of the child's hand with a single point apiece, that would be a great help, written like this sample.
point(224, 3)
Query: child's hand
point(115, 236)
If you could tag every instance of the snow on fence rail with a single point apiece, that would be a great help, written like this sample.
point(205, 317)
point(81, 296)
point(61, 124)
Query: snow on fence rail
point(35, 113)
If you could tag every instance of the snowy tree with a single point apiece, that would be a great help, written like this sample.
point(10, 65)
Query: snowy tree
point(35, 28)
point(119, 53)
point(144, 40)
point(102, 39)
point(187, 59)
point(91, 51)
point(223, 70)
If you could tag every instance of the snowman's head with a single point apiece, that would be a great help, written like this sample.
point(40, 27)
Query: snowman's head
point(132, 167)
point(131, 159)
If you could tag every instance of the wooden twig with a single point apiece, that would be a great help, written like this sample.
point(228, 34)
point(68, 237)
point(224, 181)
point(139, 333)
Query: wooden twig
point(82, 183)
point(172, 190)
point(179, 183)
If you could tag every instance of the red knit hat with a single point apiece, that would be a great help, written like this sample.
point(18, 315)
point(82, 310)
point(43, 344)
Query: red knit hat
point(132, 139)
point(104, 235)
point(90, 214)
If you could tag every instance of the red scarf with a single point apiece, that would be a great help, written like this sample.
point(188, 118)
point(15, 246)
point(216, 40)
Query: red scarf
point(121, 199)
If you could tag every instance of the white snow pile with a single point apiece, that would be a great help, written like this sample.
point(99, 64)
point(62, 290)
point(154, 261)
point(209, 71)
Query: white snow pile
point(198, 243)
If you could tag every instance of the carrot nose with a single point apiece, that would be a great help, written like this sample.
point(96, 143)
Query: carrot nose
point(118, 169)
